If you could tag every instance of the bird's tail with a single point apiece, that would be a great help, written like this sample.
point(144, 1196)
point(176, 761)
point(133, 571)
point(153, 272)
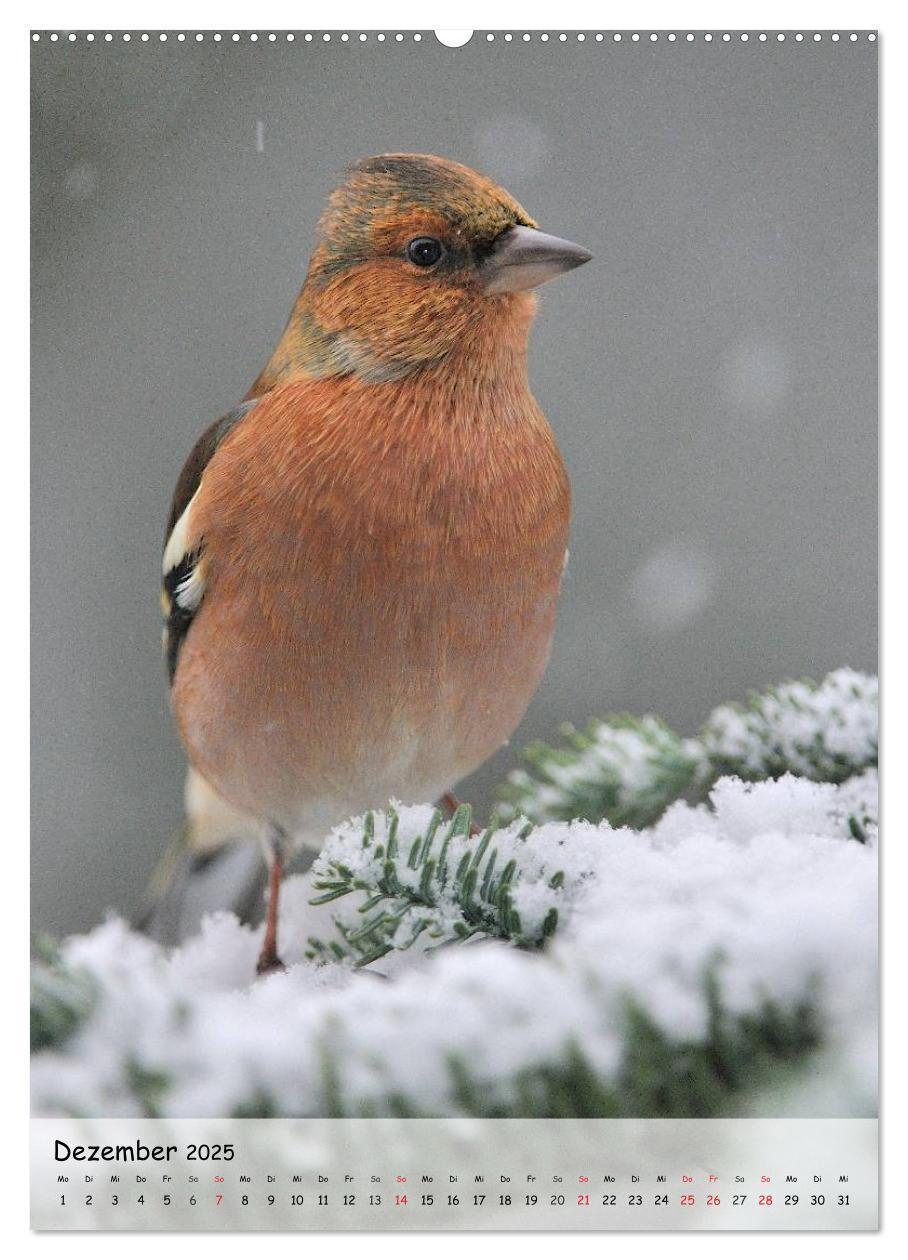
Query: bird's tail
point(163, 874)
point(212, 862)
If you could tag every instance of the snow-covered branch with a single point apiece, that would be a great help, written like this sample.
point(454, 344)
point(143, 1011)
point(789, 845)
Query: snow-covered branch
point(629, 770)
point(706, 965)
point(444, 886)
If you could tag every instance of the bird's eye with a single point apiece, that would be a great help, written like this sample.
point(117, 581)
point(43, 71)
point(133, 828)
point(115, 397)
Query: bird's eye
point(424, 251)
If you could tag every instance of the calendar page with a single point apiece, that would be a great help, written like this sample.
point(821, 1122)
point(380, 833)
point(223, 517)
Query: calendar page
point(454, 597)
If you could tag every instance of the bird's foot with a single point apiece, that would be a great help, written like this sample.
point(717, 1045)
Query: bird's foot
point(450, 802)
point(269, 961)
point(268, 964)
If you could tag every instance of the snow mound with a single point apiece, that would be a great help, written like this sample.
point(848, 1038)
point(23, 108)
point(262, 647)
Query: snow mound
point(745, 928)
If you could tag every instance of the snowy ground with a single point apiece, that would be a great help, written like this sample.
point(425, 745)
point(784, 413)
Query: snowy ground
point(710, 932)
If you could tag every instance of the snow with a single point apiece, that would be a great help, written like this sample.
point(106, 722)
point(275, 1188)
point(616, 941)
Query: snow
point(629, 769)
point(672, 586)
point(813, 730)
point(766, 884)
point(627, 761)
point(567, 854)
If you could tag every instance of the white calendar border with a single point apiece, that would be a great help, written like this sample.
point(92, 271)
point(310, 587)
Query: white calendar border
point(526, 16)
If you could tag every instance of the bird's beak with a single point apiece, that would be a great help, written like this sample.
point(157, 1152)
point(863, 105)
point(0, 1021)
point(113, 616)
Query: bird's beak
point(523, 257)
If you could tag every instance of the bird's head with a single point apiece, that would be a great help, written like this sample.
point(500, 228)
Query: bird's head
point(415, 255)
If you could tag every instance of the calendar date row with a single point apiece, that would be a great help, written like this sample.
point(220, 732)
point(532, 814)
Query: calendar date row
point(402, 1200)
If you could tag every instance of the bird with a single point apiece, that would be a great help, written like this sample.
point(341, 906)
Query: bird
point(363, 558)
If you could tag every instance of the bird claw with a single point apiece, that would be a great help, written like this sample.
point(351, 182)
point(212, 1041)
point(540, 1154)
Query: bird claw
point(450, 802)
point(268, 965)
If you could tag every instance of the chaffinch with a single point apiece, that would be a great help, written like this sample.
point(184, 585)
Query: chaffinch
point(363, 558)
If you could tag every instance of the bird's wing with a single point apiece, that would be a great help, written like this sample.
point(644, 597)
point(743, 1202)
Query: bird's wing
point(183, 567)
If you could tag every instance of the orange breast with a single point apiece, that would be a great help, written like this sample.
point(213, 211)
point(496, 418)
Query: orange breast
point(382, 570)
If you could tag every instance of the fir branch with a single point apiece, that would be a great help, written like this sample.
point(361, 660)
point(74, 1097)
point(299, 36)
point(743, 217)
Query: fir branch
point(651, 1000)
point(659, 1074)
point(826, 732)
point(625, 769)
point(629, 770)
point(441, 884)
point(62, 998)
point(741, 1052)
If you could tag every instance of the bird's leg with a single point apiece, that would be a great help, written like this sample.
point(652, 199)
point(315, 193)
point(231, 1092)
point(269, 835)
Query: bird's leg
point(268, 957)
point(450, 802)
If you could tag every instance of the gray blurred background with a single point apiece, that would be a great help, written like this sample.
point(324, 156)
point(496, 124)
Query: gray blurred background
point(712, 375)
